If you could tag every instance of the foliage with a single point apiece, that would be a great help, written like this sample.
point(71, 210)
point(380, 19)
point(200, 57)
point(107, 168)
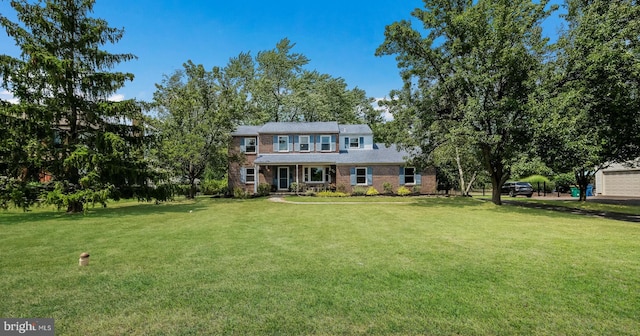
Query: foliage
point(264, 189)
point(60, 197)
point(240, 193)
point(283, 90)
point(294, 186)
point(564, 181)
point(327, 193)
point(68, 126)
point(359, 191)
point(469, 79)
point(388, 188)
point(589, 117)
point(527, 165)
point(539, 180)
point(214, 187)
point(18, 193)
point(371, 191)
point(197, 109)
point(403, 191)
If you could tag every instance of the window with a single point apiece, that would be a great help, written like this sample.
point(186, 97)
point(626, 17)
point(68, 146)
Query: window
point(250, 175)
point(314, 174)
point(283, 143)
point(361, 175)
point(409, 175)
point(249, 145)
point(354, 143)
point(325, 143)
point(304, 143)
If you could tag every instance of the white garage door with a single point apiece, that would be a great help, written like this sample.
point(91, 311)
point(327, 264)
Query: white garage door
point(622, 183)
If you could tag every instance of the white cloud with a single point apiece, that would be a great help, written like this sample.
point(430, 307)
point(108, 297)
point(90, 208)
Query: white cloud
point(7, 96)
point(385, 111)
point(116, 97)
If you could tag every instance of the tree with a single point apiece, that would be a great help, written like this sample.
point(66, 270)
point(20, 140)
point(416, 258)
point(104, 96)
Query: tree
point(589, 116)
point(197, 110)
point(63, 80)
point(275, 78)
point(282, 90)
point(473, 75)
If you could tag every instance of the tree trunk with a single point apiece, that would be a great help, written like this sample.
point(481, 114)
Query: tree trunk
point(192, 189)
point(495, 168)
point(75, 207)
point(460, 173)
point(495, 193)
point(582, 180)
point(473, 178)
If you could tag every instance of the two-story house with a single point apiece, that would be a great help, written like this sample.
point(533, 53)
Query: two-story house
point(322, 155)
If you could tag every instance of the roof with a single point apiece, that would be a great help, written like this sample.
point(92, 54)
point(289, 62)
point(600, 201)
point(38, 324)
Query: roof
point(300, 127)
point(326, 158)
point(379, 155)
point(355, 129)
point(247, 130)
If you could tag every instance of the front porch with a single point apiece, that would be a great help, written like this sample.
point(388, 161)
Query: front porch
point(298, 178)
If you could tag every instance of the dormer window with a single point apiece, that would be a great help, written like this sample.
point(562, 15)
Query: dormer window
point(325, 143)
point(354, 143)
point(304, 143)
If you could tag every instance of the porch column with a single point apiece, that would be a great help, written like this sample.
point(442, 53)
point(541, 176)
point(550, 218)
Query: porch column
point(256, 178)
point(297, 184)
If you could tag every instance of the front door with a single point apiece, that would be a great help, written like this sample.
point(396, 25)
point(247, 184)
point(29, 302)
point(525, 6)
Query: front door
point(283, 178)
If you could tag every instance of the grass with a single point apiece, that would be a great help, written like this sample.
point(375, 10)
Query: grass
point(589, 205)
point(433, 266)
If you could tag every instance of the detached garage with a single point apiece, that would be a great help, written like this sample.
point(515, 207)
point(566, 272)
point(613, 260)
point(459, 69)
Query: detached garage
point(618, 180)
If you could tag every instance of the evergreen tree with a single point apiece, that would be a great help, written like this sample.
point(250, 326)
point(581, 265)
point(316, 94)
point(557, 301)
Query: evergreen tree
point(63, 81)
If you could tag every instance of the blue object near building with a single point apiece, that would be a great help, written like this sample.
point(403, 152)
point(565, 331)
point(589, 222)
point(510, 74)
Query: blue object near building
point(590, 190)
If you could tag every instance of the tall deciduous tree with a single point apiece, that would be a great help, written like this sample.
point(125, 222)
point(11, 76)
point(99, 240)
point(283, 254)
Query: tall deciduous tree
point(474, 71)
point(197, 110)
point(63, 78)
point(283, 90)
point(590, 111)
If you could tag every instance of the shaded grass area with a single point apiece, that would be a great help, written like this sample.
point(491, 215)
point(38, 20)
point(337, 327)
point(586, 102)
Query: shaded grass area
point(434, 266)
point(590, 205)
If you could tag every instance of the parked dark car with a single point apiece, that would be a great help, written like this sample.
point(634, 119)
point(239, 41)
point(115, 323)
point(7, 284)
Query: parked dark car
point(517, 188)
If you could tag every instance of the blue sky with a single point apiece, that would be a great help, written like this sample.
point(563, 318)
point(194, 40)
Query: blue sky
point(339, 37)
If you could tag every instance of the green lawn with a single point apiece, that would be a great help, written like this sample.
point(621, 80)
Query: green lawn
point(589, 205)
point(436, 266)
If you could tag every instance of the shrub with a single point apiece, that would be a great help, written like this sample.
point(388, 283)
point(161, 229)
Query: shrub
point(387, 188)
point(341, 188)
point(403, 191)
point(563, 182)
point(264, 189)
point(536, 180)
point(294, 186)
point(310, 193)
point(240, 193)
point(415, 189)
point(331, 194)
point(372, 191)
point(213, 187)
point(358, 191)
